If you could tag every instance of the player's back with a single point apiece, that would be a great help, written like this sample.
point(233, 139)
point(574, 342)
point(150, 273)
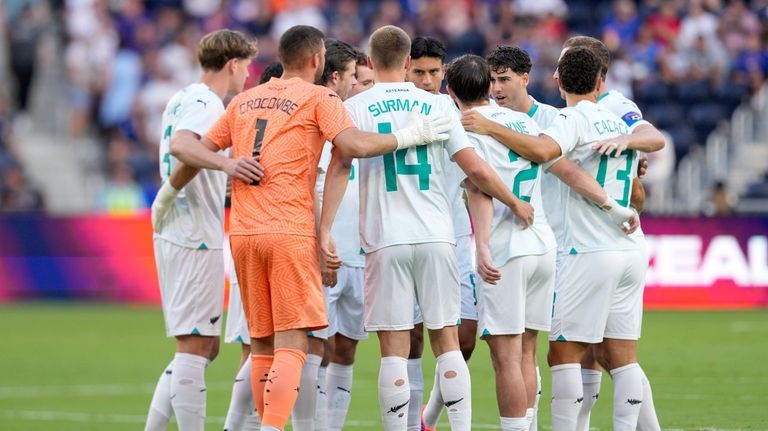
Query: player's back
point(196, 219)
point(577, 129)
point(509, 239)
point(287, 122)
point(404, 198)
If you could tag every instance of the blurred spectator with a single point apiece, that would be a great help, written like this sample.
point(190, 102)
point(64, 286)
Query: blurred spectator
point(698, 23)
point(751, 65)
point(704, 62)
point(121, 193)
point(623, 23)
point(540, 8)
point(665, 23)
point(721, 202)
point(737, 26)
point(16, 194)
point(23, 43)
point(646, 54)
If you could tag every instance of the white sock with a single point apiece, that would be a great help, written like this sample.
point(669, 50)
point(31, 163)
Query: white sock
point(339, 386)
point(160, 410)
point(590, 383)
point(435, 404)
point(269, 428)
point(627, 396)
point(241, 404)
point(456, 387)
point(303, 415)
point(535, 417)
point(188, 391)
point(648, 421)
point(394, 393)
point(252, 422)
point(321, 411)
point(416, 380)
point(514, 424)
point(567, 395)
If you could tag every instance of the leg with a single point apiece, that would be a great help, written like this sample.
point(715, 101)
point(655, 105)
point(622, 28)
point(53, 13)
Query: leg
point(567, 392)
point(467, 337)
point(416, 377)
point(241, 406)
point(454, 379)
point(303, 416)
point(591, 377)
point(321, 410)
point(627, 380)
point(506, 355)
point(283, 381)
point(188, 379)
point(340, 381)
point(394, 388)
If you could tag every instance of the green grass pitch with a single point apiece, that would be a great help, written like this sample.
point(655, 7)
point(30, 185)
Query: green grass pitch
point(69, 366)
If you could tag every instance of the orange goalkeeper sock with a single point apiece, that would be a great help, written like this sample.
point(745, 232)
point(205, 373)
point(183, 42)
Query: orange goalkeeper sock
point(260, 365)
point(282, 387)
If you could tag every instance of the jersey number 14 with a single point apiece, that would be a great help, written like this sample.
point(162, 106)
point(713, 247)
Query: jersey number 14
point(394, 164)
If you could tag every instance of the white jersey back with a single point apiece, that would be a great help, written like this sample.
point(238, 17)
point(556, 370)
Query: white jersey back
point(196, 219)
point(508, 237)
point(541, 113)
point(346, 225)
point(455, 176)
point(404, 195)
point(586, 227)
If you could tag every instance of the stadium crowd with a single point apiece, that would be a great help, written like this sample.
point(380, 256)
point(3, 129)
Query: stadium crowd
point(687, 63)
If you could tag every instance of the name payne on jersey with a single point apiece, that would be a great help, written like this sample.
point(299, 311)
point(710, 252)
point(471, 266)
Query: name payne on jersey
point(393, 105)
point(283, 104)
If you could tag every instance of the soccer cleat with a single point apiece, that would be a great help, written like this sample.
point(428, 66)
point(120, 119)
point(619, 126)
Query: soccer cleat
point(424, 424)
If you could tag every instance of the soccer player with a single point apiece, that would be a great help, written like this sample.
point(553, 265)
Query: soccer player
point(310, 411)
point(188, 223)
point(426, 72)
point(345, 296)
point(286, 121)
point(628, 111)
point(242, 411)
point(407, 232)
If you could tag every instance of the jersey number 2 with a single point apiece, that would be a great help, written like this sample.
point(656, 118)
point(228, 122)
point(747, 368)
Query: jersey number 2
point(394, 164)
point(529, 174)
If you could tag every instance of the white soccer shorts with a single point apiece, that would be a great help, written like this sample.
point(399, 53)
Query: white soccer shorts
point(521, 299)
point(191, 288)
point(599, 295)
point(393, 274)
point(345, 304)
point(465, 256)
point(236, 330)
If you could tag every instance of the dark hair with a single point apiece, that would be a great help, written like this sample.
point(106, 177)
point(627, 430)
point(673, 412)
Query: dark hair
point(426, 46)
point(218, 47)
point(579, 68)
point(469, 77)
point(505, 57)
point(273, 70)
point(298, 44)
point(388, 47)
point(362, 59)
point(596, 46)
point(337, 55)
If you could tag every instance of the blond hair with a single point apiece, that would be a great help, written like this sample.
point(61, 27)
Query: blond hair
point(389, 46)
point(220, 46)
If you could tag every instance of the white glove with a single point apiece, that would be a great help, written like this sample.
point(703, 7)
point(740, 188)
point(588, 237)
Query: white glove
point(162, 204)
point(619, 214)
point(422, 130)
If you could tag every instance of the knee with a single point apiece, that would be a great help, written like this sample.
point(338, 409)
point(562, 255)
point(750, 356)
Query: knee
point(467, 346)
point(417, 342)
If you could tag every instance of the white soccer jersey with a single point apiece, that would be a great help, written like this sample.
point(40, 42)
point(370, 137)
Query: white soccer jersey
point(508, 237)
point(455, 176)
point(196, 219)
point(587, 227)
point(346, 225)
point(622, 107)
point(541, 113)
point(404, 195)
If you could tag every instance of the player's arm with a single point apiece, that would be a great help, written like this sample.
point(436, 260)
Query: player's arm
point(336, 180)
point(582, 183)
point(538, 149)
point(204, 154)
point(637, 198)
point(481, 208)
point(489, 183)
point(645, 138)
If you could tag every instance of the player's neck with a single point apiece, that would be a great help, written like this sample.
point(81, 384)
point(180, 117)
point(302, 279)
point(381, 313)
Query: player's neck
point(469, 105)
point(388, 75)
point(217, 82)
point(305, 74)
point(573, 99)
point(602, 89)
point(524, 106)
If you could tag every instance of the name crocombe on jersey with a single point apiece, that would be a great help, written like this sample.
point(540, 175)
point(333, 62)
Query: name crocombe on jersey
point(586, 227)
point(509, 239)
point(196, 219)
point(404, 195)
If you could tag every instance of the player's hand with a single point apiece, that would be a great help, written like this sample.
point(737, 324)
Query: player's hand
point(328, 257)
point(474, 121)
point(524, 212)
point(626, 218)
point(642, 167)
point(612, 146)
point(162, 204)
point(421, 130)
point(485, 268)
point(247, 169)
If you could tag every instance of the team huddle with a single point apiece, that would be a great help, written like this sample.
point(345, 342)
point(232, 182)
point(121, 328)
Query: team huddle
point(364, 200)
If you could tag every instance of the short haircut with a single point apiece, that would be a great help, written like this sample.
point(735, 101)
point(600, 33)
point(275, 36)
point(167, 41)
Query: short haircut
point(337, 55)
point(298, 44)
point(273, 70)
point(220, 46)
point(469, 77)
point(388, 47)
point(362, 59)
point(505, 57)
point(426, 46)
point(578, 69)
point(596, 46)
